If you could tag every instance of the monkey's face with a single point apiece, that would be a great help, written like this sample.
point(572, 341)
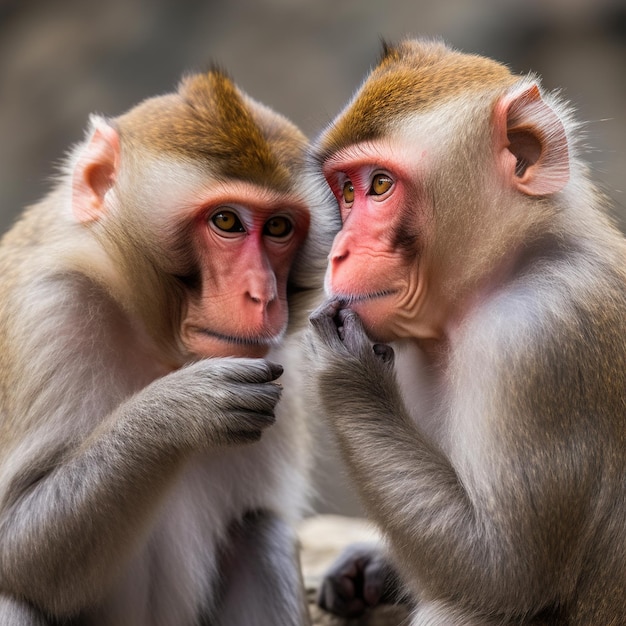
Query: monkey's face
point(375, 262)
point(197, 196)
point(245, 244)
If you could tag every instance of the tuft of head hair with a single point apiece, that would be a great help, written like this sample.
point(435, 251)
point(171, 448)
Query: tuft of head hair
point(209, 120)
point(411, 76)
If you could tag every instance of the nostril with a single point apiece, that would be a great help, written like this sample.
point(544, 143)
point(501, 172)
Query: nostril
point(338, 257)
point(260, 300)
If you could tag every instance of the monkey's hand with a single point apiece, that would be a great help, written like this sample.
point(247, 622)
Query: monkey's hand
point(341, 330)
point(354, 377)
point(212, 402)
point(362, 577)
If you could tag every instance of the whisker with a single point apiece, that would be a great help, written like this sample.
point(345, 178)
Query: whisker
point(259, 340)
point(349, 299)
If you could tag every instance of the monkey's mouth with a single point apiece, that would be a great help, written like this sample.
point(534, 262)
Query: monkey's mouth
point(250, 341)
point(245, 341)
point(349, 299)
point(205, 343)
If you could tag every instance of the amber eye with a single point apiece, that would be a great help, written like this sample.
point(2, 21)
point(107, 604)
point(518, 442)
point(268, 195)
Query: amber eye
point(278, 226)
point(380, 185)
point(228, 222)
point(348, 192)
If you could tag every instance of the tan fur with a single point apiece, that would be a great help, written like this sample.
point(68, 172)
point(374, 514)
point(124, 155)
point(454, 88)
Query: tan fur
point(411, 77)
point(502, 491)
point(133, 485)
point(209, 121)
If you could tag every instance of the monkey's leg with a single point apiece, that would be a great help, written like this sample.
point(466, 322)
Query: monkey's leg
point(262, 579)
point(14, 612)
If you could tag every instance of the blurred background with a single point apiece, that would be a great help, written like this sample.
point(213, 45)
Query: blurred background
point(61, 60)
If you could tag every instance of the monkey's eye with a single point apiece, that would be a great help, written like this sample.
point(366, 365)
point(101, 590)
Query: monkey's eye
point(348, 192)
point(380, 185)
point(278, 226)
point(227, 222)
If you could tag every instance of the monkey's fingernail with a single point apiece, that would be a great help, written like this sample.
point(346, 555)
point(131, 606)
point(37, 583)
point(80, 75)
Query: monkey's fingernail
point(384, 351)
point(276, 369)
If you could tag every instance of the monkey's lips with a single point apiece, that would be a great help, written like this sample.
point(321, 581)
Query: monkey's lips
point(349, 300)
point(209, 343)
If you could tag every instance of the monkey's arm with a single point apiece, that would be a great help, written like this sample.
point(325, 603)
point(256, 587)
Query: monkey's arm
point(394, 468)
point(67, 522)
point(415, 493)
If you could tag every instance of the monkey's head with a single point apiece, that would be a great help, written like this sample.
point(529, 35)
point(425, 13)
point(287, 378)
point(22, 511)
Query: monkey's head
point(199, 197)
point(442, 165)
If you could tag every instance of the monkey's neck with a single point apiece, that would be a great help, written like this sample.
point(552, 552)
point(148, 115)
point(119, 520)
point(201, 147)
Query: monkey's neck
point(435, 351)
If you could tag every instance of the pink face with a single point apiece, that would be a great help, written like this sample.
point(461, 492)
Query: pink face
point(245, 244)
point(373, 263)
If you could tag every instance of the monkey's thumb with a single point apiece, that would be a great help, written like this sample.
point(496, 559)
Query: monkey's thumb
point(383, 351)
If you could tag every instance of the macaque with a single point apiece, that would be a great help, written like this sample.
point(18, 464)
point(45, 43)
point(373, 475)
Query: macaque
point(489, 442)
point(147, 475)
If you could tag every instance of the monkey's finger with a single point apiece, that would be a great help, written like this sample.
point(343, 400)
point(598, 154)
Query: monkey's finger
point(326, 330)
point(373, 582)
point(238, 426)
point(247, 425)
point(328, 308)
point(264, 371)
point(339, 595)
point(246, 370)
point(276, 370)
point(256, 397)
point(353, 333)
point(384, 351)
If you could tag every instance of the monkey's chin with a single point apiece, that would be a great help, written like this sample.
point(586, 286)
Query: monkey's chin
point(375, 313)
point(206, 344)
point(377, 331)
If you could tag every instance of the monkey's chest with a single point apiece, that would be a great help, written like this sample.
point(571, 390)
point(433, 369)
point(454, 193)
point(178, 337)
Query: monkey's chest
point(418, 386)
point(173, 577)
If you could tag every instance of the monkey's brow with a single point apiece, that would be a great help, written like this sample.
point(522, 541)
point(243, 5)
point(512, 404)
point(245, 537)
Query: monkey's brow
point(322, 156)
point(362, 153)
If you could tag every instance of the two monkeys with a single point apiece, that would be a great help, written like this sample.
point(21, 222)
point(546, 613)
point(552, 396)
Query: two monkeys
point(149, 474)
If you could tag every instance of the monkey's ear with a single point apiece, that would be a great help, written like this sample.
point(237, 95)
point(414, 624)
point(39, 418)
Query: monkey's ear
point(531, 143)
point(95, 171)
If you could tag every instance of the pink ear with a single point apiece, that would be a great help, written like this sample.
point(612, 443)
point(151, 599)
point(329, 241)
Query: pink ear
point(531, 143)
point(95, 172)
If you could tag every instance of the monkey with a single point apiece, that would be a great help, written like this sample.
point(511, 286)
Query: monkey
point(471, 354)
point(148, 473)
